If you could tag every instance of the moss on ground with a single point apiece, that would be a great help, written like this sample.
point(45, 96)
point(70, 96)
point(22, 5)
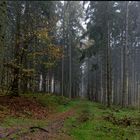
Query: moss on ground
point(92, 121)
point(96, 127)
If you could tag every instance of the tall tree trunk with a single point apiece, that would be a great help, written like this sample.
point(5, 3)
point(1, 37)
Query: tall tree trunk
point(16, 71)
point(125, 69)
point(62, 80)
point(3, 13)
point(109, 78)
point(70, 45)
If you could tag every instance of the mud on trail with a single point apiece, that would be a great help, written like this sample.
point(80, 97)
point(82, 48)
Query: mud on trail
point(19, 107)
point(53, 130)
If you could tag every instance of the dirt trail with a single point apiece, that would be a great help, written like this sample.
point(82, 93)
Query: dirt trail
point(19, 106)
point(54, 129)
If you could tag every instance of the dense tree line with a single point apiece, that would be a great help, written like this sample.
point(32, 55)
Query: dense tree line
point(114, 27)
point(45, 47)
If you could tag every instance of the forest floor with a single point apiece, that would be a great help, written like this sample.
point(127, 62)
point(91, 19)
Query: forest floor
point(49, 117)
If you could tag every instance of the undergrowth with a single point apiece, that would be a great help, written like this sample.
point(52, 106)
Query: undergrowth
point(92, 121)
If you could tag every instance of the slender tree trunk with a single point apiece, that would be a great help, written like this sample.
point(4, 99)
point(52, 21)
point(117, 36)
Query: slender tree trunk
point(3, 12)
point(16, 71)
point(125, 69)
point(62, 80)
point(70, 45)
point(109, 80)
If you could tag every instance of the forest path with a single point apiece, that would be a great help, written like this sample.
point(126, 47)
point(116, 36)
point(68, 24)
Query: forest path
point(43, 124)
point(54, 130)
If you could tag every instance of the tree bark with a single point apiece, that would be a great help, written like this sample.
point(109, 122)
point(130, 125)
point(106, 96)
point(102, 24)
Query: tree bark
point(125, 69)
